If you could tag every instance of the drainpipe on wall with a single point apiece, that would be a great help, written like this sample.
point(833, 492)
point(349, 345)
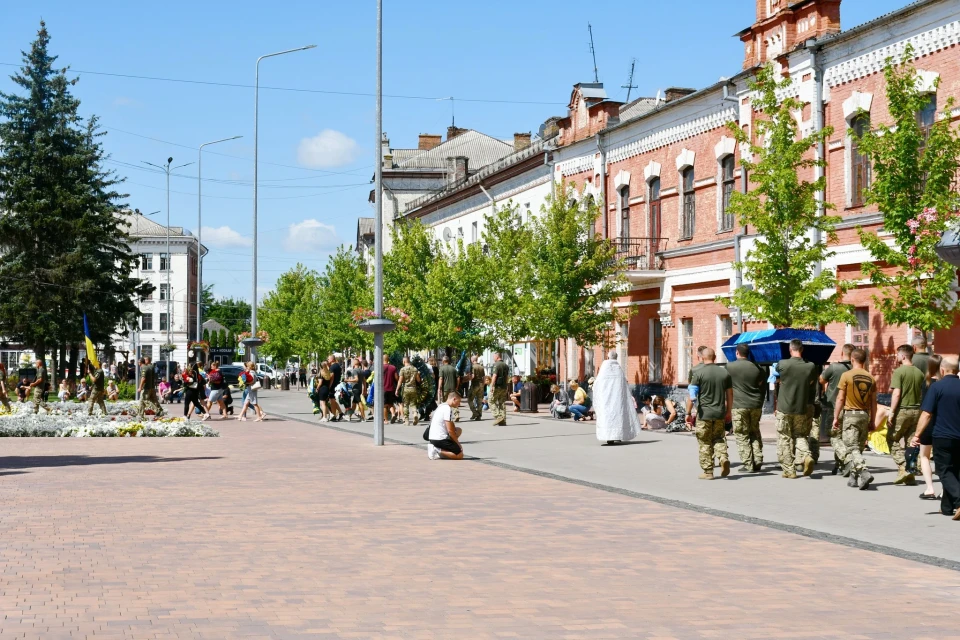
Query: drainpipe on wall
point(818, 118)
point(603, 185)
point(737, 273)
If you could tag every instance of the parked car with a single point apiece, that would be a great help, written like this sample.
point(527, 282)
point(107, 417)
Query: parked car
point(263, 370)
point(161, 368)
point(230, 373)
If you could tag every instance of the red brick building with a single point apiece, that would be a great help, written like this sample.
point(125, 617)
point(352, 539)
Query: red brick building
point(665, 176)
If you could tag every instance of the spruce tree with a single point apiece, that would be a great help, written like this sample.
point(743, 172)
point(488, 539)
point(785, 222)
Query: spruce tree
point(66, 249)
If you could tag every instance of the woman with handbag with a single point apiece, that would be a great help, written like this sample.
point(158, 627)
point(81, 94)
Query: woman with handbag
point(192, 390)
point(252, 386)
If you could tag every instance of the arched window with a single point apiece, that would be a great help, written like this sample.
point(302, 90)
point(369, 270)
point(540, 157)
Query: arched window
point(926, 117)
point(625, 212)
point(727, 184)
point(689, 204)
point(859, 163)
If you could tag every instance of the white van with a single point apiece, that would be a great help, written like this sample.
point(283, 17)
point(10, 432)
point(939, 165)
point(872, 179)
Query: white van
point(263, 370)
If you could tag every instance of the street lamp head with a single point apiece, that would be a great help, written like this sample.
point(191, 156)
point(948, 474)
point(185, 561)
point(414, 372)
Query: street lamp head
point(170, 160)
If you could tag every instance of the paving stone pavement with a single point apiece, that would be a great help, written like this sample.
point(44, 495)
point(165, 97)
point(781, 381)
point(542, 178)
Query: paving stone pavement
point(286, 530)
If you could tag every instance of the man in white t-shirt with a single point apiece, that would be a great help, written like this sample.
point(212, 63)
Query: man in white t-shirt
point(444, 434)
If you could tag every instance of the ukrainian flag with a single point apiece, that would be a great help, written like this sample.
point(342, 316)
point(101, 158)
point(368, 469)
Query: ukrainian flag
point(91, 350)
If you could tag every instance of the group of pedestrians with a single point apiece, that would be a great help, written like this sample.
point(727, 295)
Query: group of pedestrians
point(923, 419)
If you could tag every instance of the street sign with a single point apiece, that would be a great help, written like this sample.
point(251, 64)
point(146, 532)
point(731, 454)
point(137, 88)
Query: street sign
point(241, 350)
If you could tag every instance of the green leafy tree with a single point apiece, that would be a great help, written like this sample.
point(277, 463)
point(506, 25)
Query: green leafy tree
point(233, 313)
point(405, 271)
point(456, 287)
point(507, 302)
point(782, 208)
point(576, 275)
point(65, 247)
point(345, 288)
point(289, 314)
point(912, 185)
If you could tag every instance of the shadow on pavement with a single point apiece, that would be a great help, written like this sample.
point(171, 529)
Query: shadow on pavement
point(624, 444)
point(12, 473)
point(555, 435)
point(32, 462)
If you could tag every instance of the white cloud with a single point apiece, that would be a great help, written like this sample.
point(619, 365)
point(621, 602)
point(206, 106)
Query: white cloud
point(224, 237)
point(310, 235)
point(328, 149)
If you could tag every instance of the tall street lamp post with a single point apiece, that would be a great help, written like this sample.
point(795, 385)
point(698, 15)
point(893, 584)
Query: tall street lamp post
point(252, 341)
point(200, 228)
point(167, 169)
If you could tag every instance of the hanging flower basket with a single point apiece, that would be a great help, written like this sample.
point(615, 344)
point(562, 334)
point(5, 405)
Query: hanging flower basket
point(200, 345)
point(262, 335)
point(168, 348)
point(398, 316)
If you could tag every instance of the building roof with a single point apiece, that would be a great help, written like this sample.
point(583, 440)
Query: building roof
point(212, 325)
point(592, 90)
point(365, 227)
point(479, 149)
point(637, 108)
point(143, 227)
point(913, 6)
point(537, 147)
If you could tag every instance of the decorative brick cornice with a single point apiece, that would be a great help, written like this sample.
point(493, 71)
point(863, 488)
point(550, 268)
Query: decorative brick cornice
point(925, 43)
point(665, 137)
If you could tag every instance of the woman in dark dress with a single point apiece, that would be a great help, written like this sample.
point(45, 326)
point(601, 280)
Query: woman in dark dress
point(193, 390)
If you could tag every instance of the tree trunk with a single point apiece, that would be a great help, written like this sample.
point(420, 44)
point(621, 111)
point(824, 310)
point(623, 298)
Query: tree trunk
point(62, 363)
point(55, 361)
point(72, 368)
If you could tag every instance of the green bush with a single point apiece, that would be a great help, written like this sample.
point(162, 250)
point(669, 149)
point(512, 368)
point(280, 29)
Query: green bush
point(128, 391)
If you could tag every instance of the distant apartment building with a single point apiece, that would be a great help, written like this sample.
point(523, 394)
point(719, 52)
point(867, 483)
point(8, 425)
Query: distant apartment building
point(169, 314)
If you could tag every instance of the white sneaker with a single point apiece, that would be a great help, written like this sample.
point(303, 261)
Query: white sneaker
point(432, 452)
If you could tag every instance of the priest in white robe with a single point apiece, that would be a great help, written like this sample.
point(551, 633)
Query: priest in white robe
point(616, 416)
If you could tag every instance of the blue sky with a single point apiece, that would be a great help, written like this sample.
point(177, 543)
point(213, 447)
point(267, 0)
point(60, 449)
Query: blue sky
point(316, 149)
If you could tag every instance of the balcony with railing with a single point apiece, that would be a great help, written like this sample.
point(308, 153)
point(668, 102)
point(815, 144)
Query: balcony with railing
point(640, 254)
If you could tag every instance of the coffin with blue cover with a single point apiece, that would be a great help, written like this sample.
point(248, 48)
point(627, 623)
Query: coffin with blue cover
point(772, 345)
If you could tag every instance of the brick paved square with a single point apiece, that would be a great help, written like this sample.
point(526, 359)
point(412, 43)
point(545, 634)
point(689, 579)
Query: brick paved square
point(284, 530)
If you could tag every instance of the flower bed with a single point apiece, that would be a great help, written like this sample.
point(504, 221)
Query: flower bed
point(70, 420)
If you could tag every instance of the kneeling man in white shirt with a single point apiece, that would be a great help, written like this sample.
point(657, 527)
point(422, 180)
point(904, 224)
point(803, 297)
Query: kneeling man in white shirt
point(444, 434)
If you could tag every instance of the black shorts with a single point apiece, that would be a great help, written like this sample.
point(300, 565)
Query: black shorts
point(447, 444)
point(323, 393)
point(389, 397)
point(927, 436)
point(357, 392)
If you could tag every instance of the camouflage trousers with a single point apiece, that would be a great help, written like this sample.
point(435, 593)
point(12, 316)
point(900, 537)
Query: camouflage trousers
point(96, 399)
point(410, 406)
point(792, 432)
point(38, 402)
point(475, 401)
point(5, 401)
point(746, 428)
point(498, 404)
point(712, 438)
point(900, 432)
point(149, 401)
point(852, 438)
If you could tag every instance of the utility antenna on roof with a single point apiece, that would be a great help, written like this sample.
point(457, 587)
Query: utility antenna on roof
point(630, 85)
point(453, 110)
point(593, 52)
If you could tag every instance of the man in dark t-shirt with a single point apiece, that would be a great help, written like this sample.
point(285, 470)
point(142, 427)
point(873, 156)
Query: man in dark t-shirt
point(794, 394)
point(336, 370)
point(749, 391)
point(713, 390)
point(389, 391)
point(829, 380)
point(941, 412)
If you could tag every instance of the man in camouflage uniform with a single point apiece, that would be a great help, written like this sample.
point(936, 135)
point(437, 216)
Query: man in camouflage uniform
point(409, 382)
point(148, 389)
point(477, 387)
point(749, 392)
point(498, 393)
point(97, 392)
point(856, 411)
point(795, 388)
point(4, 399)
point(829, 380)
point(38, 387)
point(907, 386)
point(449, 382)
point(713, 390)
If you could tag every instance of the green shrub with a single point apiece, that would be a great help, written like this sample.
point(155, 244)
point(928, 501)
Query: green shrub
point(127, 391)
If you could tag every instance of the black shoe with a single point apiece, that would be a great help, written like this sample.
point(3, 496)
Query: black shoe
point(836, 468)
